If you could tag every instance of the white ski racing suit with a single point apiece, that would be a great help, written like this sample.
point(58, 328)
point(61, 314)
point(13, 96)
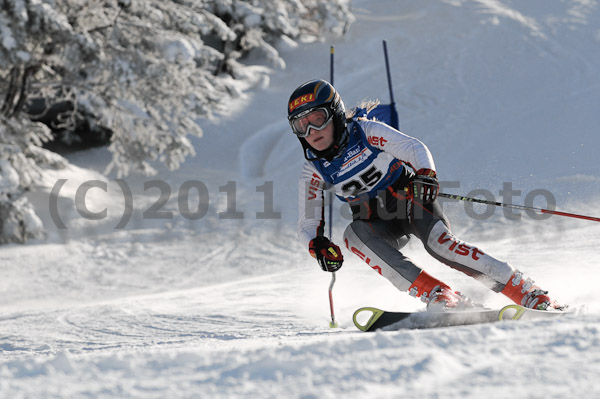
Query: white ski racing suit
point(371, 175)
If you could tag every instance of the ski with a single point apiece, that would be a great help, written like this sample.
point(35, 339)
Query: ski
point(377, 319)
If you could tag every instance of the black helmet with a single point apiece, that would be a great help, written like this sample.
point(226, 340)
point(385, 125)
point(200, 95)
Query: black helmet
point(319, 94)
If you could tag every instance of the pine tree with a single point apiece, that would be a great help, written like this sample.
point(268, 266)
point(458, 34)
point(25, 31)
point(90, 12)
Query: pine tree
point(146, 71)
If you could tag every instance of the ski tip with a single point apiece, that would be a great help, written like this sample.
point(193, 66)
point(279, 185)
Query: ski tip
point(515, 312)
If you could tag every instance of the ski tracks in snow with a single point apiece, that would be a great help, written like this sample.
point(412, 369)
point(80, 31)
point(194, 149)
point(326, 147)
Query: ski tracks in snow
point(194, 317)
point(188, 341)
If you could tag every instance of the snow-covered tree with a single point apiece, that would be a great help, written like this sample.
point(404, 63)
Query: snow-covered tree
point(147, 71)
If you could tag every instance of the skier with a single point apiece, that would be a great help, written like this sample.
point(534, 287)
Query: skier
point(389, 180)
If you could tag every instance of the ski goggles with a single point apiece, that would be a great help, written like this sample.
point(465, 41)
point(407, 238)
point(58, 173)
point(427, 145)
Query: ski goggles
point(316, 118)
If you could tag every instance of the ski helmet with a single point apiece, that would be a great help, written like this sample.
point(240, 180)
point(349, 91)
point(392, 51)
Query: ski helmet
point(313, 95)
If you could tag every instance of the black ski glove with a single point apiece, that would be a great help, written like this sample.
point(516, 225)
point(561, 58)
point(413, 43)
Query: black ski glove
point(328, 254)
point(424, 186)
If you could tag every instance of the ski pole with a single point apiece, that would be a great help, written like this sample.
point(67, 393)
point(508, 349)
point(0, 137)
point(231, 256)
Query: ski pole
point(332, 323)
point(515, 206)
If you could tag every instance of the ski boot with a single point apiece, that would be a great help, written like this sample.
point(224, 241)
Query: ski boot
point(525, 293)
point(437, 295)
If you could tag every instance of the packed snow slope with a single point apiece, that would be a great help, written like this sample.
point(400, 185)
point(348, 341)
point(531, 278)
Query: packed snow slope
point(213, 297)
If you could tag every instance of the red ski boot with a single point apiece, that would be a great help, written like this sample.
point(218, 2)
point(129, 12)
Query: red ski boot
point(437, 295)
point(523, 292)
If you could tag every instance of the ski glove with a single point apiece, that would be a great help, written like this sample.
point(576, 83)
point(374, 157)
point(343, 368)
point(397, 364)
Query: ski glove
point(328, 254)
point(424, 186)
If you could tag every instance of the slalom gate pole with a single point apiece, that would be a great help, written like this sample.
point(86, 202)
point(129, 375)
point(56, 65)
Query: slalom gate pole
point(329, 194)
point(332, 323)
point(394, 114)
point(387, 70)
point(521, 207)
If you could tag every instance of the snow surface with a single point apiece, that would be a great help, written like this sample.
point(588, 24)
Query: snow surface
point(233, 307)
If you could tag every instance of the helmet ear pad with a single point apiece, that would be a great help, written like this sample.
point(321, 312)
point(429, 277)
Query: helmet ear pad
point(339, 119)
point(340, 136)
